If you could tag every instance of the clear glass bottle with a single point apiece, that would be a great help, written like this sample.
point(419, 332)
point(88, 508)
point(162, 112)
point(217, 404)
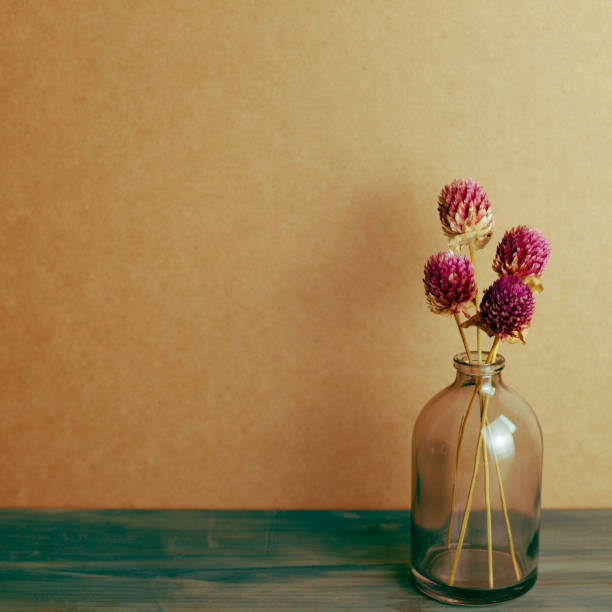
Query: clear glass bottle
point(476, 483)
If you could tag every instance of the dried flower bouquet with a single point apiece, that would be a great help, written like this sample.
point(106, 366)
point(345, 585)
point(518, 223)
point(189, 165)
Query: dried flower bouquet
point(504, 314)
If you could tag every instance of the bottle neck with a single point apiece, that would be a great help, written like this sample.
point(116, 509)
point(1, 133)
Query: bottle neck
point(471, 369)
point(490, 380)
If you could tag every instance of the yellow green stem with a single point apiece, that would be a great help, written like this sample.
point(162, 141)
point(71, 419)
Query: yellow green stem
point(517, 571)
point(478, 344)
point(461, 429)
point(459, 442)
point(466, 514)
point(493, 352)
point(468, 505)
point(463, 338)
point(488, 510)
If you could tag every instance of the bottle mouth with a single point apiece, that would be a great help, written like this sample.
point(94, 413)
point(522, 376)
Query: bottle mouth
point(463, 365)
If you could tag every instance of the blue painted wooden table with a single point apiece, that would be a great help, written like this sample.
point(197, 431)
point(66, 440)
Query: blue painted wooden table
point(256, 560)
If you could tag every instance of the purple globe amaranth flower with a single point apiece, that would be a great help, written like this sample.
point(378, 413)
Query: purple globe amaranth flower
point(465, 213)
point(507, 307)
point(449, 282)
point(522, 252)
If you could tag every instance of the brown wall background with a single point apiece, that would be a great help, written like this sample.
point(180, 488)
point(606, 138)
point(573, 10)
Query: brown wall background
point(213, 226)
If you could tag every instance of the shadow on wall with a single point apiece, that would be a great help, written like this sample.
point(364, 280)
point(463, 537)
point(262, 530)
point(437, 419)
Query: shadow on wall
point(351, 430)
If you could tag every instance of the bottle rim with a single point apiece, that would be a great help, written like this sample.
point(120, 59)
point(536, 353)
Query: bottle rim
point(463, 365)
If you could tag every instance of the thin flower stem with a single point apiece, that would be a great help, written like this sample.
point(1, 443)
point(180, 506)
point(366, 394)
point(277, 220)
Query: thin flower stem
point(472, 254)
point(478, 344)
point(493, 352)
point(469, 408)
point(459, 442)
point(517, 571)
point(460, 437)
point(463, 338)
point(466, 514)
point(485, 457)
point(484, 449)
point(468, 505)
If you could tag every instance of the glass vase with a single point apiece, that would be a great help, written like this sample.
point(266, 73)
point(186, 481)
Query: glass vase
point(476, 483)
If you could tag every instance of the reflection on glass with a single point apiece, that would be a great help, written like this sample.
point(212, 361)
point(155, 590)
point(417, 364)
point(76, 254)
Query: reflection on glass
point(500, 441)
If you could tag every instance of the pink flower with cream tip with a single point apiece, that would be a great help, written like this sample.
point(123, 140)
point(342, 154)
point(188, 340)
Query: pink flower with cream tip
point(450, 286)
point(522, 252)
point(465, 213)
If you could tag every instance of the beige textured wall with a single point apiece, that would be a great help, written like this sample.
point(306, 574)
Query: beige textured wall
point(214, 218)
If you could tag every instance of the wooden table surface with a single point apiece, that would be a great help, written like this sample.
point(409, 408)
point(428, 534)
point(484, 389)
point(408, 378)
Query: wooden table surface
point(264, 560)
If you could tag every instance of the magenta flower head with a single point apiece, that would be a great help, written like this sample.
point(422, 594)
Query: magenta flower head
point(449, 283)
point(465, 213)
point(522, 252)
point(507, 307)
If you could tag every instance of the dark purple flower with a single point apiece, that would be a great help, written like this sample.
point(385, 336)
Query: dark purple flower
point(449, 282)
point(507, 306)
point(465, 213)
point(522, 252)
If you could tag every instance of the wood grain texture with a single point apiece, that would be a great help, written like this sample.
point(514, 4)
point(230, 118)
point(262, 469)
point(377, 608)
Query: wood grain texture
point(264, 560)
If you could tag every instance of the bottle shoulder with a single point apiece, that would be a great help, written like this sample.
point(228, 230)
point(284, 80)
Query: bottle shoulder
point(447, 407)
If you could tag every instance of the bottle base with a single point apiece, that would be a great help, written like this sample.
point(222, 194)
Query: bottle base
point(471, 596)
